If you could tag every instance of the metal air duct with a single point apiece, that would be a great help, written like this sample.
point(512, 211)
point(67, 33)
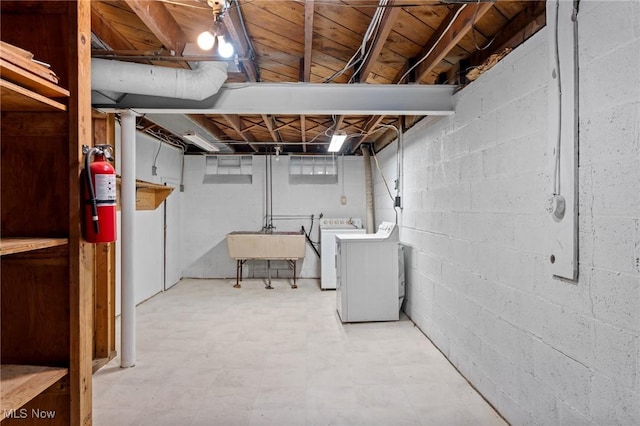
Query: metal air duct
point(140, 79)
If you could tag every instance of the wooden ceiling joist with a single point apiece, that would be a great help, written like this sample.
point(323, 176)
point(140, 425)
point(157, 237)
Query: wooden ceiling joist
point(303, 132)
point(210, 126)
point(158, 19)
point(233, 24)
point(389, 18)
point(309, 7)
point(234, 122)
point(371, 125)
point(268, 121)
point(454, 27)
point(107, 33)
point(522, 26)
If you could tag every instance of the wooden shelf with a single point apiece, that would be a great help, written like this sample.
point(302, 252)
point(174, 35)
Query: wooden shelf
point(26, 79)
point(149, 196)
point(17, 98)
point(19, 384)
point(20, 245)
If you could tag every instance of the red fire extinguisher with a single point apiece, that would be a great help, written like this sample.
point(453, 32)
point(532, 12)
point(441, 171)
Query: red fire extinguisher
point(99, 194)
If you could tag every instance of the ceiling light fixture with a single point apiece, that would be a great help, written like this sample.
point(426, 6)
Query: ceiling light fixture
point(336, 142)
point(200, 142)
point(207, 39)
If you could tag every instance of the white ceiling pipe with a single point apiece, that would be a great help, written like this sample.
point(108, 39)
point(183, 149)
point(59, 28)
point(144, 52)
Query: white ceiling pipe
point(141, 79)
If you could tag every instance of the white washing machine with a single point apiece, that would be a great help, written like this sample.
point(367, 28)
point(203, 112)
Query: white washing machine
point(370, 275)
point(329, 228)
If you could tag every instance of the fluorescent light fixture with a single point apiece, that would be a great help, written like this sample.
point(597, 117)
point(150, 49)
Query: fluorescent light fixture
point(336, 142)
point(200, 142)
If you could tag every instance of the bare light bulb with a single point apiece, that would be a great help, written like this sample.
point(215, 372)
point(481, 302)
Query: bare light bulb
point(224, 49)
point(206, 40)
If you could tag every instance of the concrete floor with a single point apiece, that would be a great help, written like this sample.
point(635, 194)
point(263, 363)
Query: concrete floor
point(209, 354)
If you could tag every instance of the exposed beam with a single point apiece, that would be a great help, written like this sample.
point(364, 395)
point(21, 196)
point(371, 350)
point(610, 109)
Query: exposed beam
point(522, 26)
point(233, 24)
point(454, 27)
point(284, 125)
point(386, 25)
point(371, 125)
point(308, 39)
point(303, 132)
point(106, 33)
point(158, 19)
point(268, 120)
point(234, 122)
point(210, 126)
point(304, 98)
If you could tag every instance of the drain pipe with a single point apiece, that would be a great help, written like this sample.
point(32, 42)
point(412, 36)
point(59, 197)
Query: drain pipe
point(127, 252)
point(368, 176)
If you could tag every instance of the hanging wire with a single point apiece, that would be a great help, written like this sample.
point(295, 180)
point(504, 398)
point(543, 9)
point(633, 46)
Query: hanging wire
point(434, 44)
point(361, 53)
point(375, 159)
point(473, 30)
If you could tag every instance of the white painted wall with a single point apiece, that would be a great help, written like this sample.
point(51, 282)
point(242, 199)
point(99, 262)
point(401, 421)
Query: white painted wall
point(211, 211)
point(149, 238)
point(542, 350)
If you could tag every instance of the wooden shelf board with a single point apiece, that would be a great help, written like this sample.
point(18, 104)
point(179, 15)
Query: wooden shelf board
point(19, 245)
point(24, 78)
point(24, 59)
point(149, 195)
point(19, 384)
point(16, 98)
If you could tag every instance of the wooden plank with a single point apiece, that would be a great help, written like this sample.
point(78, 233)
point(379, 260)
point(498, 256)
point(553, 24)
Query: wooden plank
point(16, 50)
point(107, 33)
point(234, 122)
point(158, 19)
point(9, 53)
point(520, 28)
point(104, 277)
point(233, 24)
point(104, 323)
point(22, 77)
point(450, 32)
point(81, 253)
point(20, 245)
point(19, 384)
point(371, 125)
point(388, 20)
point(16, 98)
point(149, 196)
point(308, 39)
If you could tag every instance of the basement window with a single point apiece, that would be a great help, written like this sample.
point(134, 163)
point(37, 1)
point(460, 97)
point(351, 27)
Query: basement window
point(228, 169)
point(313, 169)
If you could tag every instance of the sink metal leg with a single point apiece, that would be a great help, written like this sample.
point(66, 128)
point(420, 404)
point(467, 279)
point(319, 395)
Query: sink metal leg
point(238, 273)
point(294, 274)
point(269, 275)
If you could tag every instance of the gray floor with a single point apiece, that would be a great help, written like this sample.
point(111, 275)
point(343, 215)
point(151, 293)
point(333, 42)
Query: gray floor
point(209, 354)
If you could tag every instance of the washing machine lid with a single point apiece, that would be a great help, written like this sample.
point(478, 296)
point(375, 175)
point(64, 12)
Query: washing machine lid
point(387, 232)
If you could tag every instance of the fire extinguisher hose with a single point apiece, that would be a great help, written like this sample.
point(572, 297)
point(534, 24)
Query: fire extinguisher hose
point(92, 193)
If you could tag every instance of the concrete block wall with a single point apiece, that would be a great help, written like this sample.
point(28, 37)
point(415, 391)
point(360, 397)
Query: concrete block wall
point(543, 351)
point(211, 211)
